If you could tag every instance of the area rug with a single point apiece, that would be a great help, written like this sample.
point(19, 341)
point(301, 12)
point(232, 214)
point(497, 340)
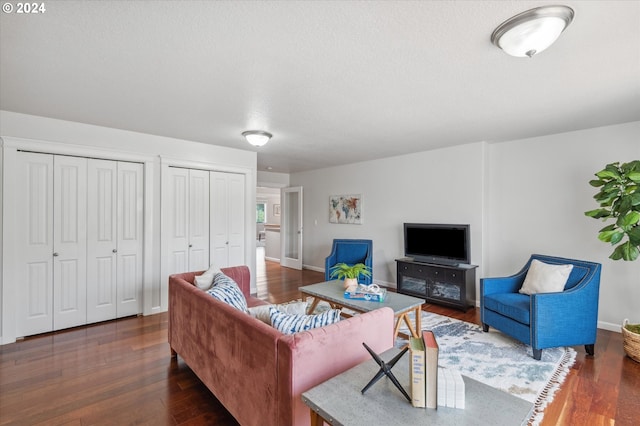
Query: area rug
point(498, 360)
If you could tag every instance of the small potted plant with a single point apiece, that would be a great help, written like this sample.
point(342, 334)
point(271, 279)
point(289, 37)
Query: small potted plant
point(619, 199)
point(350, 274)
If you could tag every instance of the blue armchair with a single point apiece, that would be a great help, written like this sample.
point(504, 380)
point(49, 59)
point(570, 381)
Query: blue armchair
point(545, 320)
point(350, 252)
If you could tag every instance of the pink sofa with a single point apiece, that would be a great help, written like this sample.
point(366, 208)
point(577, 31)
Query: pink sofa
point(255, 371)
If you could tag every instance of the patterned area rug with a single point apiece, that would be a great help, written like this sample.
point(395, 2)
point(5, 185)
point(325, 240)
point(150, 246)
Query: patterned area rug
point(499, 361)
point(496, 359)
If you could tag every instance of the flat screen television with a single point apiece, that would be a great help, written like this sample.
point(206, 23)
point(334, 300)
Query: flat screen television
point(437, 243)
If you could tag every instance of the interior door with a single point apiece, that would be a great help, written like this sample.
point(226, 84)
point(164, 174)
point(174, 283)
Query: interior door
point(101, 240)
point(69, 242)
point(236, 219)
point(198, 220)
point(219, 219)
point(129, 238)
point(291, 228)
point(34, 245)
point(176, 211)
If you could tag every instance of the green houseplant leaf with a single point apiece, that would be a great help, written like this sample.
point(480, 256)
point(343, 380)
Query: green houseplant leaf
point(343, 270)
point(619, 199)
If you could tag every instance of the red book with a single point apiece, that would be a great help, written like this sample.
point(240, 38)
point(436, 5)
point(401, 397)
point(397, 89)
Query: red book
point(431, 368)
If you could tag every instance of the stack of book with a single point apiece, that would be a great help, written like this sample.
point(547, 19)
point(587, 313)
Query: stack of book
point(450, 388)
point(423, 368)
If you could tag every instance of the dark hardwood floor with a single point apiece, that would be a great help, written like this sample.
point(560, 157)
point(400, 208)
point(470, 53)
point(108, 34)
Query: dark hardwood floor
point(121, 373)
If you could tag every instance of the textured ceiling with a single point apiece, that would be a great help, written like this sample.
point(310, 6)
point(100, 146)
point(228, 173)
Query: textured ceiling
point(336, 82)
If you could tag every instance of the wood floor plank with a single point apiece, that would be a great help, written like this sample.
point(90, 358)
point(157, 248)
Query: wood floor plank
point(121, 373)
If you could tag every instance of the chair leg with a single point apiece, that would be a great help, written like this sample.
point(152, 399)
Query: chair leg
point(485, 327)
point(537, 354)
point(590, 349)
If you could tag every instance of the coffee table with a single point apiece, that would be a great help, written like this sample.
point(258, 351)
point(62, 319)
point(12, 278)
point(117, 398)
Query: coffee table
point(339, 401)
point(332, 292)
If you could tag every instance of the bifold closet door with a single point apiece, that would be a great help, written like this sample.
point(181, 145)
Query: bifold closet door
point(69, 242)
point(34, 246)
point(52, 273)
point(227, 219)
point(198, 220)
point(114, 245)
point(187, 219)
point(101, 242)
point(130, 238)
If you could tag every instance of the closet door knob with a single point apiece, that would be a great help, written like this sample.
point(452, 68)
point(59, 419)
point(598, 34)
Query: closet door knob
point(190, 245)
point(114, 250)
point(55, 254)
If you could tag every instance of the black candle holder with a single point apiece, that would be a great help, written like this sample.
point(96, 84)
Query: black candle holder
point(385, 370)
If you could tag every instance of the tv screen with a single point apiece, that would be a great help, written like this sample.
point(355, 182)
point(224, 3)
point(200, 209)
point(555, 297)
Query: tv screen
point(437, 243)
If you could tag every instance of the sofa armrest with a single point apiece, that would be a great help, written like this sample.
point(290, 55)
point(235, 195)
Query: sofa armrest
point(309, 358)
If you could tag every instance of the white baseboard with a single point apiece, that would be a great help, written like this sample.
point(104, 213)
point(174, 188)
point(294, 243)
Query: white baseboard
point(313, 268)
point(610, 326)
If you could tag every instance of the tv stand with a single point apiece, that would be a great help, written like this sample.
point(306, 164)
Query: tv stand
point(448, 285)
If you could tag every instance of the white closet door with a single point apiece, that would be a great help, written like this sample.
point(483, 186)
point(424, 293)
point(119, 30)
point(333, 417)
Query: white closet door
point(236, 219)
point(227, 219)
point(70, 242)
point(129, 247)
point(34, 245)
point(177, 214)
point(219, 219)
point(101, 240)
point(198, 220)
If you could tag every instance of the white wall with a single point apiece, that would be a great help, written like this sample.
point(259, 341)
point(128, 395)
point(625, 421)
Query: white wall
point(57, 136)
point(538, 193)
point(520, 197)
point(440, 186)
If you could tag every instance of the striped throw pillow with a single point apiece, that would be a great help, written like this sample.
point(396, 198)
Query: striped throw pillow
point(226, 290)
point(289, 324)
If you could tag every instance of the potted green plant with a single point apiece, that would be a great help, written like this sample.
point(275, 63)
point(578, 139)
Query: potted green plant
point(350, 273)
point(619, 199)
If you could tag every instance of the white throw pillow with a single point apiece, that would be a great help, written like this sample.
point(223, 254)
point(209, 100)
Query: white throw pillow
point(545, 278)
point(289, 324)
point(204, 281)
point(261, 312)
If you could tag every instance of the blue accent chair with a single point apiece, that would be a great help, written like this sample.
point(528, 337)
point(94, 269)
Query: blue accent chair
point(545, 320)
point(350, 252)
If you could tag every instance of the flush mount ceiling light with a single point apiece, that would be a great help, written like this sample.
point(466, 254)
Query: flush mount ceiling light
point(257, 137)
point(531, 32)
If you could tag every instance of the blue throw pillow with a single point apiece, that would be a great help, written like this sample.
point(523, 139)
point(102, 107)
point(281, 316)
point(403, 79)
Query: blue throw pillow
point(226, 290)
point(291, 323)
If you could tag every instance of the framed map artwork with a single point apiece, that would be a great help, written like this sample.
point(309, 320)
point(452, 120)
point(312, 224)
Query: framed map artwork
point(345, 209)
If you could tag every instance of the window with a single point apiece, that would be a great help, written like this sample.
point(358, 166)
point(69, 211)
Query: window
point(261, 213)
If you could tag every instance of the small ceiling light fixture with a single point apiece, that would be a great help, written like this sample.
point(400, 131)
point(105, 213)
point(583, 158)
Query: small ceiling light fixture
point(257, 137)
point(531, 32)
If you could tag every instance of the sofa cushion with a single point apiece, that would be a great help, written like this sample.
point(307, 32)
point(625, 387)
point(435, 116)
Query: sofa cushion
point(289, 324)
point(545, 278)
point(226, 290)
point(512, 305)
point(262, 312)
point(204, 281)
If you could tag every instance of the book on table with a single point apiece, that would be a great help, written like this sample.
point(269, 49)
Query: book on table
point(431, 368)
point(451, 388)
point(417, 372)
